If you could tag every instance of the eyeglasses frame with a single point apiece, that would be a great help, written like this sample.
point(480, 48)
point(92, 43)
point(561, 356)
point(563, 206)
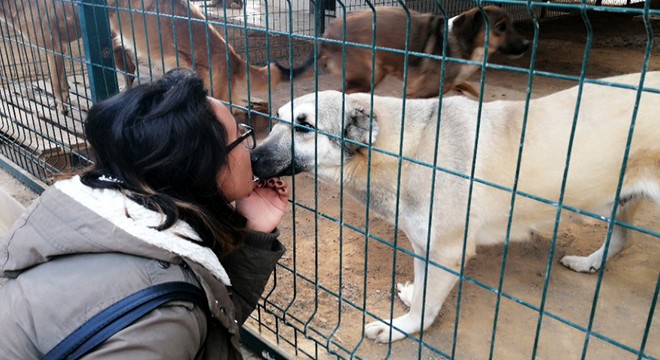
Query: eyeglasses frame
point(249, 131)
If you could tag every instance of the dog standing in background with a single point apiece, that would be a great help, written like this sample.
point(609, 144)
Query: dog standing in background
point(162, 34)
point(53, 25)
point(317, 131)
point(466, 40)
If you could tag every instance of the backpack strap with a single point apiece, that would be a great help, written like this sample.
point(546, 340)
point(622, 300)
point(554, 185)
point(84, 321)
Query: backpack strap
point(122, 314)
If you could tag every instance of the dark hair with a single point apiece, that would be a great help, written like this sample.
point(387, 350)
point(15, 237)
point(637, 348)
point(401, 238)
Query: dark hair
point(164, 146)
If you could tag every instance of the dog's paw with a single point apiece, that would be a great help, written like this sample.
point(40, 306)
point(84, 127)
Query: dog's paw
point(405, 292)
point(583, 264)
point(380, 331)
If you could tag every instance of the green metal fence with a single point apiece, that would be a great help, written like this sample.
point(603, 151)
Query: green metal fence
point(343, 263)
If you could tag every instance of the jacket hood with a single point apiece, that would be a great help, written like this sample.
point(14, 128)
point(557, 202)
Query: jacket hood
point(71, 218)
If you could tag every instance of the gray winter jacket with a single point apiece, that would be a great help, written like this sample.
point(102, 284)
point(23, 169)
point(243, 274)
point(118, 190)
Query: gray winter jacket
point(78, 250)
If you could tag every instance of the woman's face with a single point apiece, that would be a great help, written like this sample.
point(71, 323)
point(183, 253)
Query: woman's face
point(234, 180)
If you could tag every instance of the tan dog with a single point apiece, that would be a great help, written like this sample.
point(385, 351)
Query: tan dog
point(52, 25)
point(465, 40)
point(162, 34)
point(332, 138)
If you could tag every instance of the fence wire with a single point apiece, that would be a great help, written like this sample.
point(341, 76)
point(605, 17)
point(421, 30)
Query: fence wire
point(344, 263)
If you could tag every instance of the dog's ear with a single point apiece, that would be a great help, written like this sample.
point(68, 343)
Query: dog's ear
point(467, 25)
point(360, 123)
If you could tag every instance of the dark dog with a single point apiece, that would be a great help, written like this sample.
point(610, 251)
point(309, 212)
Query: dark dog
point(466, 40)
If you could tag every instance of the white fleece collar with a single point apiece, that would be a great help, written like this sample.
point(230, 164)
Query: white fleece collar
point(114, 207)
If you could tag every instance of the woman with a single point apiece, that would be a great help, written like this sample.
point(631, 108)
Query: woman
point(156, 207)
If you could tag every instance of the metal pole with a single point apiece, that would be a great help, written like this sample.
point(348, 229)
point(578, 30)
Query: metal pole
point(97, 40)
point(319, 14)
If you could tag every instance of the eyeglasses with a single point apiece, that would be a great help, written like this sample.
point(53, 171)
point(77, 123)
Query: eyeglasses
point(246, 133)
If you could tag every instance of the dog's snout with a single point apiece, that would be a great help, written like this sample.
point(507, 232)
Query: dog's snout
point(515, 47)
point(525, 45)
point(257, 160)
point(255, 156)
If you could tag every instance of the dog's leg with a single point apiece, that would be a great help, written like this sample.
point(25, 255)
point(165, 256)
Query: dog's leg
point(124, 61)
point(359, 78)
point(449, 86)
point(420, 93)
point(591, 263)
point(465, 87)
point(59, 82)
point(421, 86)
point(357, 86)
point(440, 283)
point(406, 292)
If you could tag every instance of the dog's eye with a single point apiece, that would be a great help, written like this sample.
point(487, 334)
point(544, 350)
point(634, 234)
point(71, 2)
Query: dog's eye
point(304, 126)
point(501, 27)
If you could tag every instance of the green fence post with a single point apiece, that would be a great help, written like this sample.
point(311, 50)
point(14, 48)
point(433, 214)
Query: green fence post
point(97, 40)
point(320, 7)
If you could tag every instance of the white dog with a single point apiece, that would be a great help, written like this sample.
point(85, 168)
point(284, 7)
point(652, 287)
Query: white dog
point(348, 130)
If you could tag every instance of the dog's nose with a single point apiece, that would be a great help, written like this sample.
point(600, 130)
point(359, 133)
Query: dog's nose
point(525, 45)
point(516, 49)
point(254, 157)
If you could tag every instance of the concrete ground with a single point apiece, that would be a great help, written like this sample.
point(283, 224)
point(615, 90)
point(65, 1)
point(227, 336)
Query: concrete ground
point(16, 189)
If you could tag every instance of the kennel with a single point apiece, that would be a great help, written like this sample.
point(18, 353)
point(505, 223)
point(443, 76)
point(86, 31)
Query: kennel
point(343, 262)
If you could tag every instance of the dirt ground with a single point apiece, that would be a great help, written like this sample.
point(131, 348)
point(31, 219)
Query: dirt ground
point(328, 260)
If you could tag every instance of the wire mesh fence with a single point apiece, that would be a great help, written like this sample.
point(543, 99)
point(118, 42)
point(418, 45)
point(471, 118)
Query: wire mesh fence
point(346, 264)
point(35, 135)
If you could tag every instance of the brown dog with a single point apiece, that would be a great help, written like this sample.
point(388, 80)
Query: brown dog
point(52, 25)
point(465, 40)
point(162, 34)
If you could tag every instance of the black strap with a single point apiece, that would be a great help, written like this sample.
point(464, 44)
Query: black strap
point(121, 314)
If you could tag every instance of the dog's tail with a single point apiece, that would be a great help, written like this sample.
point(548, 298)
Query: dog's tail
point(288, 74)
point(278, 73)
